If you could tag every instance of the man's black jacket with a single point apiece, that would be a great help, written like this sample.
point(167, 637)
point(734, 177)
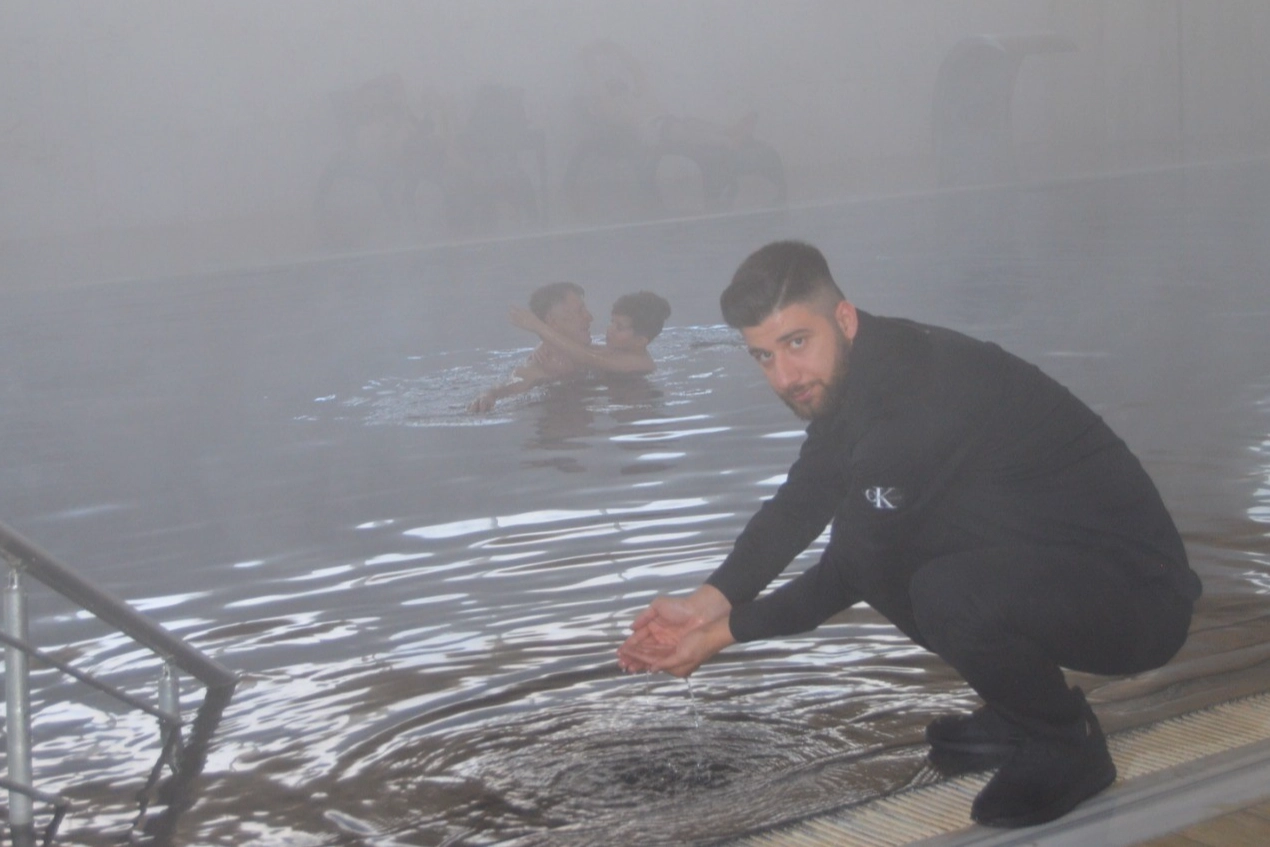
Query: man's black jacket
point(942, 444)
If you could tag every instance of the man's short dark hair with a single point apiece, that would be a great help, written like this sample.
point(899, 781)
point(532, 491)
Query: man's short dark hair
point(541, 301)
point(647, 311)
point(772, 278)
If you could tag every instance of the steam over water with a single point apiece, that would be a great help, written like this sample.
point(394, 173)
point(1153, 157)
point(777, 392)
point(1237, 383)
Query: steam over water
point(425, 605)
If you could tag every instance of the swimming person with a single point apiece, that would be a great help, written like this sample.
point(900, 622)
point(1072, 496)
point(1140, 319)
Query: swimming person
point(635, 321)
point(976, 503)
point(560, 306)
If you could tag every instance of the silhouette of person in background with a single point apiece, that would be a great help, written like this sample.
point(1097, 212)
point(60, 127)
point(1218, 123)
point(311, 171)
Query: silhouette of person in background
point(621, 95)
point(385, 143)
point(627, 121)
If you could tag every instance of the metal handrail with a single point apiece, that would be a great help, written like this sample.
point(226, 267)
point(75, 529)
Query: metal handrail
point(43, 567)
point(166, 717)
point(26, 558)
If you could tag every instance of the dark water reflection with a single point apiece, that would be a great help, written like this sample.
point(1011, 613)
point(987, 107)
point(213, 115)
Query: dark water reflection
point(425, 605)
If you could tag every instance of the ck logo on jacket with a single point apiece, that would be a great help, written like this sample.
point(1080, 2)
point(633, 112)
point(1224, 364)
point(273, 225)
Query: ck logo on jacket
point(884, 497)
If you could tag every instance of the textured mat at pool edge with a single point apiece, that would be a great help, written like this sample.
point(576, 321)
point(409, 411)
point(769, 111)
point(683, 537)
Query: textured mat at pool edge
point(920, 813)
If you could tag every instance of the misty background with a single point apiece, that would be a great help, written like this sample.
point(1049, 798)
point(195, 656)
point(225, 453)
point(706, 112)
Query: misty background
point(150, 138)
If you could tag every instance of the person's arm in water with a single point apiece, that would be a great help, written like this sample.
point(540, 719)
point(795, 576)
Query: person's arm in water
point(599, 358)
point(523, 379)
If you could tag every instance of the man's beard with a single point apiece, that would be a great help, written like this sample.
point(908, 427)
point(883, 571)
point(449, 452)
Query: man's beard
point(834, 390)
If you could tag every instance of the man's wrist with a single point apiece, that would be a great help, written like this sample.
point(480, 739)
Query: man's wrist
point(711, 603)
point(719, 634)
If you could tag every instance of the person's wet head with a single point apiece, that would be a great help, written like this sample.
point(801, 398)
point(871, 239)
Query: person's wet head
point(636, 320)
point(562, 306)
point(796, 324)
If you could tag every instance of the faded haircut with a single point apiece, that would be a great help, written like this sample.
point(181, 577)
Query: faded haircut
point(775, 276)
point(541, 301)
point(647, 311)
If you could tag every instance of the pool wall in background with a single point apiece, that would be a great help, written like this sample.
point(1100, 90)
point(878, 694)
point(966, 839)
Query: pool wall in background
point(147, 139)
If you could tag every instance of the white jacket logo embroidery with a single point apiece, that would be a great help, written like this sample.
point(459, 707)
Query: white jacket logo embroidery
point(883, 497)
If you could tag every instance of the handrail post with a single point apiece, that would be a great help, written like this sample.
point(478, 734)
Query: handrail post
point(170, 702)
point(169, 690)
point(18, 703)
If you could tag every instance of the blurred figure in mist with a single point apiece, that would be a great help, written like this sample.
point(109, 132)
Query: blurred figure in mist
point(973, 105)
point(621, 95)
point(561, 308)
point(486, 160)
point(385, 143)
point(488, 182)
point(628, 121)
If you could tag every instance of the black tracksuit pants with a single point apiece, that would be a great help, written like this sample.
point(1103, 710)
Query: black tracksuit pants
point(1009, 618)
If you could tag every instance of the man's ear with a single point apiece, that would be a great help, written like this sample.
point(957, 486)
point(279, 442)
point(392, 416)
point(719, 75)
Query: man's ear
point(848, 321)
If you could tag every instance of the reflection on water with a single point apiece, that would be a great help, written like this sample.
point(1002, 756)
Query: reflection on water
point(425, 604)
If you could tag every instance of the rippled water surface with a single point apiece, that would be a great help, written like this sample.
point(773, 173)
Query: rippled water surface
point(424, 605)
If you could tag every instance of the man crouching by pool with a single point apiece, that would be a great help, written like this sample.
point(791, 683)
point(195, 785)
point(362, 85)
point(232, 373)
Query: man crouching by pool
point(562, 307)
point(975, 502)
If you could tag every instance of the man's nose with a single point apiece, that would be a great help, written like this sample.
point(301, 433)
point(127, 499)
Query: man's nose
point(783, 373)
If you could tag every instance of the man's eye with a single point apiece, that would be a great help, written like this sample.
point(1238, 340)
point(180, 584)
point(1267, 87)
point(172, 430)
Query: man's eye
point(796, 343)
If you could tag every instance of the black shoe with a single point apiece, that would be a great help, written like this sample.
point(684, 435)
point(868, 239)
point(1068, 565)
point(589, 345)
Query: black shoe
point(969, 742)
point(982, 731)
point(1048, 776)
